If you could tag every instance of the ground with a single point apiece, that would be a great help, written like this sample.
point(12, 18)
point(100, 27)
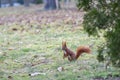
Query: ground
point(30, 46)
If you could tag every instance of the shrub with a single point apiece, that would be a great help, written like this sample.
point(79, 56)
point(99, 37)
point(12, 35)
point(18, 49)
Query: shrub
point(103, 15)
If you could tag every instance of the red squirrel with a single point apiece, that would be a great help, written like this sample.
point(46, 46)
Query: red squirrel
point(71, 55)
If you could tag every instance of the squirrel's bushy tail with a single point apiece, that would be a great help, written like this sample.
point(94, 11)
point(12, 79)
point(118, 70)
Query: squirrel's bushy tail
point(81, 50)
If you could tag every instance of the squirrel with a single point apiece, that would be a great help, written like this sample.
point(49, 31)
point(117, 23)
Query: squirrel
point(71, 55)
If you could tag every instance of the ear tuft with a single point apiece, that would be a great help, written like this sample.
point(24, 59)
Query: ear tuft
point(64, 43)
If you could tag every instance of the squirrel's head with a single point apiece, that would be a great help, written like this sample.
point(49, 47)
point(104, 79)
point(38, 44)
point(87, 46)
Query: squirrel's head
point(64, 45)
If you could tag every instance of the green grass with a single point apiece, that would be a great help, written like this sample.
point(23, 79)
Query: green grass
point(39, 50)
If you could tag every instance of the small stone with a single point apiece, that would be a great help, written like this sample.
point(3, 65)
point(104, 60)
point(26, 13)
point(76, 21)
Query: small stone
point(60, 69)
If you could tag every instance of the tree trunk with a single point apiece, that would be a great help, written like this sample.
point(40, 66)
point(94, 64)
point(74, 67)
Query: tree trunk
point(58, 4)
point(11, 2)
point(0, 4)
point(27, 3)
point(50, 4)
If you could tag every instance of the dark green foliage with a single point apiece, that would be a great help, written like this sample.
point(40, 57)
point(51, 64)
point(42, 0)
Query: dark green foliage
point(20, 1)
point(104, 15)
point(100, 56)
point(38, 1)
point(85, 4)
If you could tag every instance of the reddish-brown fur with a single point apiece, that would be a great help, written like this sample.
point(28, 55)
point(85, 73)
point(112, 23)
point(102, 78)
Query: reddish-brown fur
point(71, 55)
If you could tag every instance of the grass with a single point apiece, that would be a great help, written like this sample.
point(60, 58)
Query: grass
point(28, 50)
